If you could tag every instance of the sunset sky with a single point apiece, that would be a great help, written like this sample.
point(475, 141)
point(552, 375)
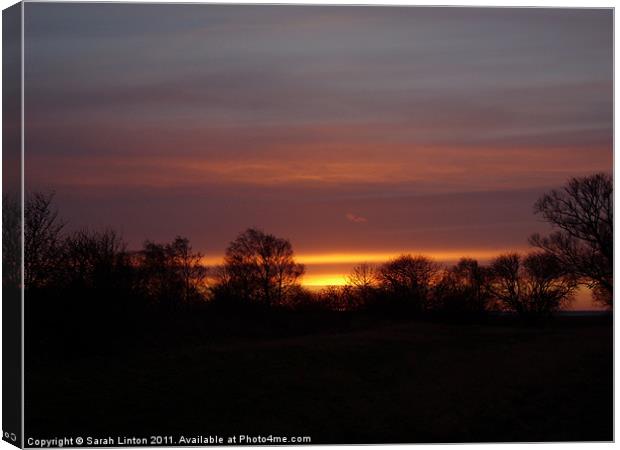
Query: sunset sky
point(357, 132)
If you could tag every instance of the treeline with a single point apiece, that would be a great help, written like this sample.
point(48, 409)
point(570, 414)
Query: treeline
point(530, 285)
point(93, 271)
point(96, 266)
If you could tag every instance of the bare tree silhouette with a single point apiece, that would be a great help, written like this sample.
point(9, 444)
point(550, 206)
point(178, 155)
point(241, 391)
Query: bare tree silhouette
point(42, 238)
point(189, 267)
point(363, 276)
point(93, 259)
point(172, 273)
point(532, 286)
point(463, 288)
point(156, 279)
point(582, 211)
point(408, 280)
point(364, 283)
point(260, 268)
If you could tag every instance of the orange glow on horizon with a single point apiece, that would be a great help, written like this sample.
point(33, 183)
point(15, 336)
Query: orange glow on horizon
point(317, 275)
point(380, 257)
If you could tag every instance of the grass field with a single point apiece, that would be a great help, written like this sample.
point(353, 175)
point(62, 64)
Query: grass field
point(405, 381)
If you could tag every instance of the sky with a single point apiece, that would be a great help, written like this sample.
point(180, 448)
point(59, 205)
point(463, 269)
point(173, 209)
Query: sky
point(358, 133)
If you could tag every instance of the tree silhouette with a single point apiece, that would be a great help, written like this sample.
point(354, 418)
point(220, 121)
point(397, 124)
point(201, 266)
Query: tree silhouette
point(93, 259)
point(407, 280)
point(363, 276)
point(189, 268)
point(532, 286)
point(462, 288)
point(172, 273)
point(340, 298)
point(260, 268)
point(42, 229)
point(582, 211)
point(363, 283)
point(97, 277)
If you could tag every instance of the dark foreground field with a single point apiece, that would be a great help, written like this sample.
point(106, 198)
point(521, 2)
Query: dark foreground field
point(376, 382)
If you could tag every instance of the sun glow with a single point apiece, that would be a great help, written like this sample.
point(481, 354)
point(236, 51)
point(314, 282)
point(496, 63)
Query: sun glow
point(321, 280)
point(331, 269)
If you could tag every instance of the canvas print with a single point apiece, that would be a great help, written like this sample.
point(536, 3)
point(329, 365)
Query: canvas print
point(230, 224)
